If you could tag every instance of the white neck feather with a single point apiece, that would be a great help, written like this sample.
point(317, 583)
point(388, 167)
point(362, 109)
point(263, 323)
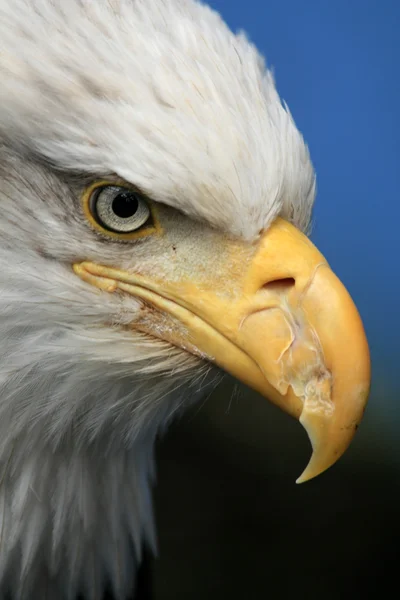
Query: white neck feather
point(80, 408)
point(72, 520)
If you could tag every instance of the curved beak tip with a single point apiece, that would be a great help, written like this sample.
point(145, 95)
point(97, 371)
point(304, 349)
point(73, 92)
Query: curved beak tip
point(312, 470)
point(331, 435)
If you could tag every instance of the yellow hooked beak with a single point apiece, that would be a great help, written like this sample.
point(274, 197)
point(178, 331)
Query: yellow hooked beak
point(280, 321)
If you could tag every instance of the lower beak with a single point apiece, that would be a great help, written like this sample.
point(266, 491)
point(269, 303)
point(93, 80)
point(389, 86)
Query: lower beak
point(282, 323)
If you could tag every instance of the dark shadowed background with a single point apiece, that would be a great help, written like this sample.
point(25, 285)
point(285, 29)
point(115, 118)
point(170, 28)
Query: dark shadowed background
point(232, 523)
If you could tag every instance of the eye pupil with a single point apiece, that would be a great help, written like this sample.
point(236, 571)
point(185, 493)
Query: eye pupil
point(125, 205)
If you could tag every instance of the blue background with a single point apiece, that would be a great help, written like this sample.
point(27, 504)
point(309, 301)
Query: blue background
point(336, 64)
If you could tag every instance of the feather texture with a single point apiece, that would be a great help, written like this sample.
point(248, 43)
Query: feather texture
point(161, 93)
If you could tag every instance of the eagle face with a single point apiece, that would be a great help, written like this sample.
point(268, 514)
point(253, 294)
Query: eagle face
point(153, 191)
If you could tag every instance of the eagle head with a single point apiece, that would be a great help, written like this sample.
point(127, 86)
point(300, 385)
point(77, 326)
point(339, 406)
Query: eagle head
point(155, 199)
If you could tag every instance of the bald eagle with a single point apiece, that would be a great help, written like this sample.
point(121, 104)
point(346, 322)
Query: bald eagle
point(155, 195)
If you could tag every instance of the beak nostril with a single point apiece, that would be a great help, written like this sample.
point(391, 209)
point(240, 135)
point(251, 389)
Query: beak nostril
point(280, 285)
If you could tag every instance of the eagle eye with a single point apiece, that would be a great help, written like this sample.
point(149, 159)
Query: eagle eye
point(119, 209)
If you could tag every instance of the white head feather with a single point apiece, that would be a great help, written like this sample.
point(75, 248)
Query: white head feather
point(162, 95)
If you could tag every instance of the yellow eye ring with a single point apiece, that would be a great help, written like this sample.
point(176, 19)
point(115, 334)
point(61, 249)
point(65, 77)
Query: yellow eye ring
point(104, 209)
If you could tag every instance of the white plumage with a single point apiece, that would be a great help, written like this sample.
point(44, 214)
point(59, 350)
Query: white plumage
point(162, 95)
